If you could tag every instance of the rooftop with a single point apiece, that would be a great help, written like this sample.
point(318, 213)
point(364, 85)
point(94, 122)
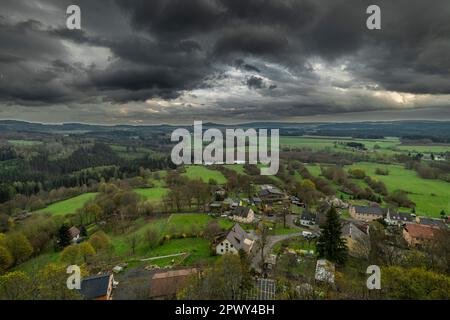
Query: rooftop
point(95, 286)
point(239, 238)
point(420, 231)
point(164, 284)
point(241, 211)
point(370, 210)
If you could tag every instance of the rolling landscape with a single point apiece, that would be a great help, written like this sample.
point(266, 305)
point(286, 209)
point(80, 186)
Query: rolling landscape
point(238, 158)
point(139, 211)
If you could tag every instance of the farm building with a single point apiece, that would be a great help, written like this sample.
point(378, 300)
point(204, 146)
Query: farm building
point(418, 234)
point(367, 213)
point(270, 194)
point(165, 285)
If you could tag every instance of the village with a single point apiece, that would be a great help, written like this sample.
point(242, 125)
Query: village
point(266, 249)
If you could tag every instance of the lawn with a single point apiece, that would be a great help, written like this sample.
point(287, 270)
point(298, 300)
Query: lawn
point(430, 196)
point(69, 205)
point(198, 248)
point(198, 171)
point(183, 222)
point(314, 170)
point(154, 194)
point(296, 243)
point(174, 224)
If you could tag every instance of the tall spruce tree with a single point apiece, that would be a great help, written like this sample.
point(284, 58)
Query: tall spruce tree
point(330, 244)
point(63, 236)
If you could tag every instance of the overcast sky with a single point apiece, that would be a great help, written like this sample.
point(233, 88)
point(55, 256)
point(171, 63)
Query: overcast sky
point(173, 61)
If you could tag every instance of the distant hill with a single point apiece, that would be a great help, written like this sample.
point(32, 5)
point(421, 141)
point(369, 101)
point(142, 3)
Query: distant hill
point(437, 131)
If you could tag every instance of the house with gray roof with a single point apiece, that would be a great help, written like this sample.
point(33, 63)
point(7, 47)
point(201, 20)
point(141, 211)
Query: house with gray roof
point(98, 287)
point(270, 194)
point(367, 214)
point(307, 219)
point(432, 222)
point(234, 240)
point(243, 214)
point(398, 218)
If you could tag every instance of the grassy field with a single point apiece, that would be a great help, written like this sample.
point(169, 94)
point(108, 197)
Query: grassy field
point(387, 145)
point(174, 224)
point(152, 194)
point(314, 169)
point(69, 205)
point(425, 149)
point(195, 172)
point(36, 264)
point(337, 143)
point(430, 196)
point(197, 247)
point(24, 142)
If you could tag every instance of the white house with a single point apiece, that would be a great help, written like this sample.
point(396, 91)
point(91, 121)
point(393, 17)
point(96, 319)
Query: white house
point(235, 240)
point(74, 234)
point(243, 215)
point(307, 219)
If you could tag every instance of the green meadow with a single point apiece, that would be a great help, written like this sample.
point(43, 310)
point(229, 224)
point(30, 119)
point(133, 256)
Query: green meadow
point(69, 205)
point(175, 224)
point(195, 172)
point(154, 194)
point(430, 196)
point(336, 143)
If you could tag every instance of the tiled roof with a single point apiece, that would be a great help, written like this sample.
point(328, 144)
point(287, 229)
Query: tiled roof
point(420, 231)
point(168, 283)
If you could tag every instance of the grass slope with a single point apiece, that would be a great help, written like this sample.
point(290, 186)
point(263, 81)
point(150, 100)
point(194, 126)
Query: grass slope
point(195, 172)
point(152, 194)
point(69, 205)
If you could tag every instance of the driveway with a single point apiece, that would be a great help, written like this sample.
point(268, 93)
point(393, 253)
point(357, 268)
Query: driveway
point(271, 241)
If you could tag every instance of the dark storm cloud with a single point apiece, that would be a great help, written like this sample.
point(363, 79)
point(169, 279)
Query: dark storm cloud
point(131, 51)
point(255, 83)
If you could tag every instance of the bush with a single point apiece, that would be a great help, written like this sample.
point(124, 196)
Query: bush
point(400, 198)
point(382, 171)
point(356, 173)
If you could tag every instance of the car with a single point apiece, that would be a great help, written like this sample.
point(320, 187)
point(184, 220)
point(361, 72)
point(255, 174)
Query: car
point(307, 234)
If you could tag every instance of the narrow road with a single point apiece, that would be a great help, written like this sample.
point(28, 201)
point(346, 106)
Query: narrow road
point(271, 241)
